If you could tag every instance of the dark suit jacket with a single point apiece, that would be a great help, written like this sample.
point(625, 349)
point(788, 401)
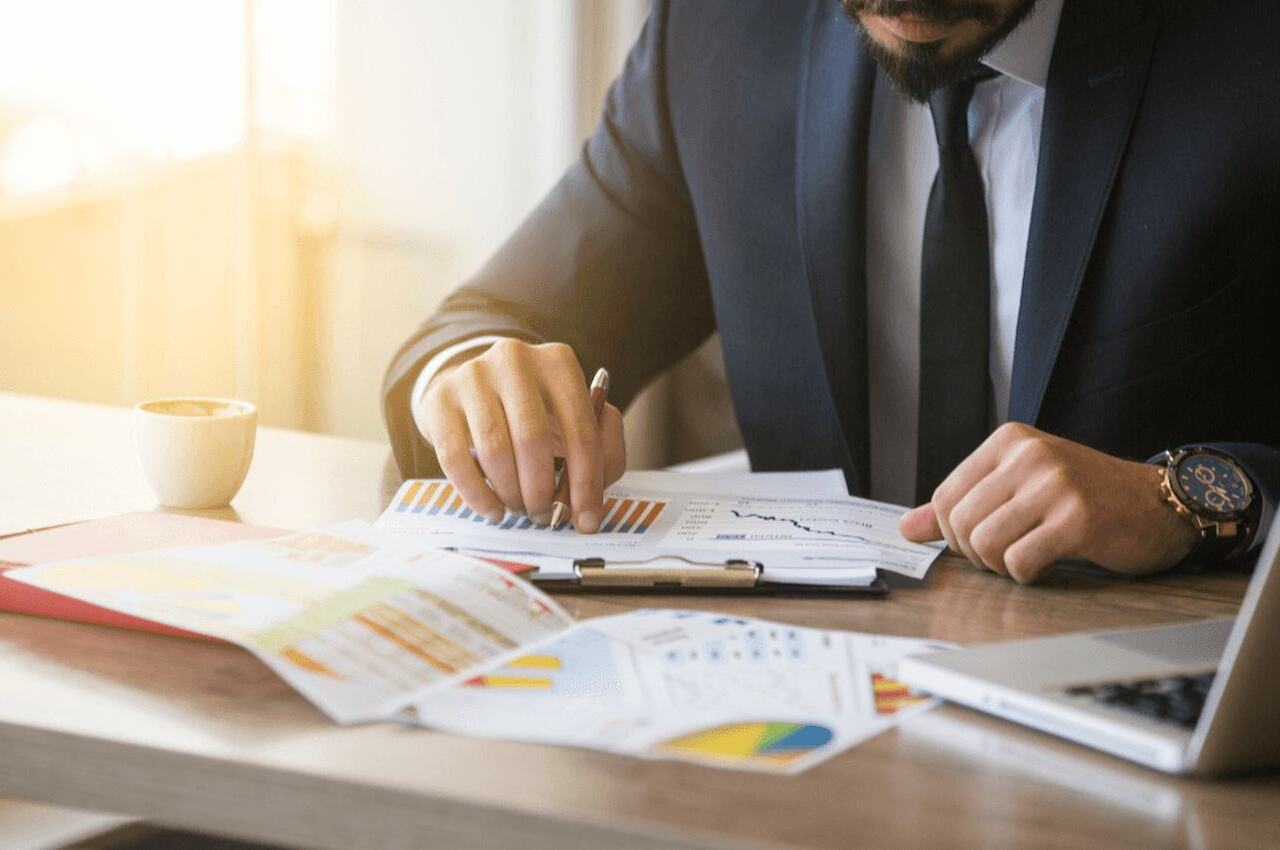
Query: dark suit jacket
point(725, 188)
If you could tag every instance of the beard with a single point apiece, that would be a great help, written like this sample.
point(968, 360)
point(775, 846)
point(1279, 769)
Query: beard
point(918, 70)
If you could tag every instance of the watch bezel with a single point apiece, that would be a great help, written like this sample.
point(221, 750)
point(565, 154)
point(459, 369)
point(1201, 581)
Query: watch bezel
point(1177, 459)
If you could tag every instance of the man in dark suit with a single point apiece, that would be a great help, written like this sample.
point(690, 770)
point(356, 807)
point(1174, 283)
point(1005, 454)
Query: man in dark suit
point(990, 254)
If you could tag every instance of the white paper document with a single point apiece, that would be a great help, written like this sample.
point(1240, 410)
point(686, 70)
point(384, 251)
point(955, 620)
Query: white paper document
point(361, 623)
point(374, 627)
point(825, 483)
point(819, 539)
point(718, 690)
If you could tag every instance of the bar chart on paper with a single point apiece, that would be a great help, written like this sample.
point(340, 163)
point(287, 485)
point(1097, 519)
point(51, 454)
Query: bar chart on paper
point(816, 541)
point(439, 499)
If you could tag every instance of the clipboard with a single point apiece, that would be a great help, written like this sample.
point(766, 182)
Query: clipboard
point(683, 576)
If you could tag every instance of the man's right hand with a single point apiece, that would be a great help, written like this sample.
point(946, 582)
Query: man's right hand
point(520, 406)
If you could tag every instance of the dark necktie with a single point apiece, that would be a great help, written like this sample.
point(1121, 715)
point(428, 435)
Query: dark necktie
point(955, 298)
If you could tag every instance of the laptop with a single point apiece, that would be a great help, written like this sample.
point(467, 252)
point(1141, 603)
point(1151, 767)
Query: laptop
point(1199, 698)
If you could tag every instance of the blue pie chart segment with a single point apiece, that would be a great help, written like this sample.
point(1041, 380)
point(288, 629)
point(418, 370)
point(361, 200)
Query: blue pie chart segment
point(802, 738)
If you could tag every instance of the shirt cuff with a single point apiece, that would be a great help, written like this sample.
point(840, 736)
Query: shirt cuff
point(441, 359)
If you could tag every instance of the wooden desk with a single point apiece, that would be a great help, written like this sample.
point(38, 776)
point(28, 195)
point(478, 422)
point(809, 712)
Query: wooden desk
point(203, 737)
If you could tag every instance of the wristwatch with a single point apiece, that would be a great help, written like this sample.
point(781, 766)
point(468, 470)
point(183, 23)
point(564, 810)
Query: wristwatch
point(1211, 490)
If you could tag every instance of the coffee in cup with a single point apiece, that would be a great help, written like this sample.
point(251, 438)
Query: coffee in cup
point(195, 452)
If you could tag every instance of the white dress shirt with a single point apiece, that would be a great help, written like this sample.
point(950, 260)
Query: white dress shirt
point(1004, 128)
point(1005, 116)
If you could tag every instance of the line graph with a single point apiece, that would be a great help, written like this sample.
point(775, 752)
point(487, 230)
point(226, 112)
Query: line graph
point(806, 534)
point(800, 526)
point(822, 523)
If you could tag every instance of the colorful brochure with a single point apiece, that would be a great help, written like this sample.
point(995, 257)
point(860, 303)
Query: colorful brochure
point(371, 626)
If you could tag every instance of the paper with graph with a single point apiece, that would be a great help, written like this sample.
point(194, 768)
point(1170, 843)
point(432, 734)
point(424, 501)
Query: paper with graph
point(360, 622)
point(371, 626)
point(795, 538)
point(714, 689)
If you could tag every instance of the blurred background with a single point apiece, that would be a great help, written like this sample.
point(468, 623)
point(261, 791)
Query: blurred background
point(263, 198)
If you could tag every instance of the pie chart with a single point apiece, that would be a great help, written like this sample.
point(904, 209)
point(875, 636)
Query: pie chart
point(762, 744)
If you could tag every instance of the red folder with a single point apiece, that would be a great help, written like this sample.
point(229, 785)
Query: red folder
point(20, 598)
point(134, 532)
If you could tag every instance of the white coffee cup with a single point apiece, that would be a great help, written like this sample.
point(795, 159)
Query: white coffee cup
point(195, 452)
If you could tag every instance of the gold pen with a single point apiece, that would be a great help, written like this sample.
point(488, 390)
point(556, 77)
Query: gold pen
point(560, 502)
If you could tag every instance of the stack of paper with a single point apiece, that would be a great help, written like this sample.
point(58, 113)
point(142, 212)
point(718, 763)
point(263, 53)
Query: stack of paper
point(371, 626)
point(800, 526)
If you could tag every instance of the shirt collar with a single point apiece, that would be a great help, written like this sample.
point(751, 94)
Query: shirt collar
point(1025, 54)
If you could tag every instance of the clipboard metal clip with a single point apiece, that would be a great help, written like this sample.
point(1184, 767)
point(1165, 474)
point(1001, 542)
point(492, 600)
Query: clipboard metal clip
point(597, 572)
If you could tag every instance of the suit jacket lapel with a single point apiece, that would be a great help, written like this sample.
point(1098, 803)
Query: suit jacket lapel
point(1096, 79)
point(833, 116)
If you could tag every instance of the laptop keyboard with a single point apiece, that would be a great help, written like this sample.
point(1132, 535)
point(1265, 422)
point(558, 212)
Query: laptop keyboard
point(1174, 699)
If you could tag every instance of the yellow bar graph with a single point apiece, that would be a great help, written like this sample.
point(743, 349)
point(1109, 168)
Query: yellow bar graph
point(410, 494)
point(538, 662)
point(523, 683)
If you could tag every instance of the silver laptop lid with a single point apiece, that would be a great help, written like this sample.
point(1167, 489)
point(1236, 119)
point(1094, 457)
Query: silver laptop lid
point(1238, 728)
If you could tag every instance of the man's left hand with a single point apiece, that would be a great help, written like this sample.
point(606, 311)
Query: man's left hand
point(1025, 499)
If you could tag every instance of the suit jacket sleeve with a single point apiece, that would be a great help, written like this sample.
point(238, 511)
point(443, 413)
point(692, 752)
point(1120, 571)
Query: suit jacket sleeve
point(609, 262)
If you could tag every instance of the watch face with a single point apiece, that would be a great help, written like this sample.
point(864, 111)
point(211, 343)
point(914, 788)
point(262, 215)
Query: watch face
point(1212, 484)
